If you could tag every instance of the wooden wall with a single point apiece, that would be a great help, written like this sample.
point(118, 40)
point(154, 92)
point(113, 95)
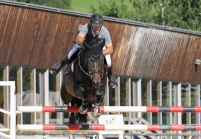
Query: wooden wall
point(39, 38)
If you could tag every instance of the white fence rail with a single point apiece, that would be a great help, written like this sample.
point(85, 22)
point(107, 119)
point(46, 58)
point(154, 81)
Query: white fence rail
point(11, 111)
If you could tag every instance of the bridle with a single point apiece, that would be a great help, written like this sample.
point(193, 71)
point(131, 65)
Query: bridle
point(90, 73)
point(96, 69)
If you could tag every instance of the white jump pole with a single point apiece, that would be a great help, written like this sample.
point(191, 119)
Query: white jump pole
point(26, 127)
point(12, 113)
point(110, 109)
point(109, 127)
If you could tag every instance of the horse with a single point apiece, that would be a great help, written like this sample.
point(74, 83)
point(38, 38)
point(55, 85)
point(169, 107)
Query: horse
point(86, 84)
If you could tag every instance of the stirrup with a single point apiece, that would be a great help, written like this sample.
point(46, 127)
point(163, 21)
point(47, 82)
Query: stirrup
point(55, 68)
point(53, 71)
point(112, 82)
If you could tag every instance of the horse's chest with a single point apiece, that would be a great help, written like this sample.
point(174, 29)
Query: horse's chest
point(82, 91)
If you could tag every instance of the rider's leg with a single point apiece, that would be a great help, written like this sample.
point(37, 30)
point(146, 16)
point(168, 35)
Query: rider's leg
point(112, 82)
point(75, 48)
point(56, 67)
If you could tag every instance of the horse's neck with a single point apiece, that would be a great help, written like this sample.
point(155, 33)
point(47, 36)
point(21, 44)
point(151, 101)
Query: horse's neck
point(82, 61)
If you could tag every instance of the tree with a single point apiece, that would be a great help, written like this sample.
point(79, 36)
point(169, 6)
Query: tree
point(63, 4)
point(184, 14)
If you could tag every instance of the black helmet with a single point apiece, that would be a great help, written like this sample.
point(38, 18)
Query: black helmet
point(96, 20)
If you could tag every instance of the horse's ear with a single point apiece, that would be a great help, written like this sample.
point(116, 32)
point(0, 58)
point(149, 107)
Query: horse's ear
point(87, 46)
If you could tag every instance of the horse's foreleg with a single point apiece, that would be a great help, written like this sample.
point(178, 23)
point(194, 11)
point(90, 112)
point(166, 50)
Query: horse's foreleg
point(84, 107)
point(72, 119)
point(99, 97)
point(85, 103)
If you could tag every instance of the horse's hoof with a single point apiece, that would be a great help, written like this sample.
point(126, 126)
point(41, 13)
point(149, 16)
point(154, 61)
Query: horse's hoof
point(96, 113)
point(96, 116)
point(83, 110)
point(53, 71)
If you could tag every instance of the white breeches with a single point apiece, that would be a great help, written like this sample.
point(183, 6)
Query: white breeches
point(76, 47)
point(108, 59)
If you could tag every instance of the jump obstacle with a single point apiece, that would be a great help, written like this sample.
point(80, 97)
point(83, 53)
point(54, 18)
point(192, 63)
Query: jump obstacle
point(12, 110)
point(12, 114)
point(43, 127)
point(104, 109)
point(110, 109)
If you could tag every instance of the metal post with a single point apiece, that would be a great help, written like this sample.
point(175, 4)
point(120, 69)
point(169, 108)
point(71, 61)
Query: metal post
point(179, 119)
point(34, 94)
point(46, 95)
point(61, 102)
point(139, 97)
point(119, 99)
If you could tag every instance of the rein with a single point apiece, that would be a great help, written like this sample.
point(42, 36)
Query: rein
point(82, 68)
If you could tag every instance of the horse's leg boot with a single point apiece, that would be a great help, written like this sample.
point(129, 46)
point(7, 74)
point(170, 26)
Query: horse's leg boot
point(57, 67)
point(112, 82)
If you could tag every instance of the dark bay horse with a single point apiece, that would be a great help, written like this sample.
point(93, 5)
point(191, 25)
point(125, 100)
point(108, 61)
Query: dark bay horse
point(86, 86)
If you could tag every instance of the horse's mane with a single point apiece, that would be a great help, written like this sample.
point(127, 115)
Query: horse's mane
point(94, 51)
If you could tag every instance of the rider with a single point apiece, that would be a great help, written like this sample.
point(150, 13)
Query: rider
point(89, 30)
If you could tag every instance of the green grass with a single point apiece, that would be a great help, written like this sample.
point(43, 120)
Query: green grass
point(84, 5)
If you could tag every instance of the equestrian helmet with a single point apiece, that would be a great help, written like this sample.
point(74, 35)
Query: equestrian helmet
point(96, 20)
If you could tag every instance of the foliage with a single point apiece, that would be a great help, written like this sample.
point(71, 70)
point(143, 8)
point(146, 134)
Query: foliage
point(112, 9)
point(83, 6)
point(146, 11)
point(184, 14)
point(63, 4)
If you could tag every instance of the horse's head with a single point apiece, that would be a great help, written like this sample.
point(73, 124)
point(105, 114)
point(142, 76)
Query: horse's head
point(95, 63)
point(96, 70)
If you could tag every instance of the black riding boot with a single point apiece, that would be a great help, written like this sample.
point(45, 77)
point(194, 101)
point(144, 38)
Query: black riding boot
point(56, 67)
point(112, 82)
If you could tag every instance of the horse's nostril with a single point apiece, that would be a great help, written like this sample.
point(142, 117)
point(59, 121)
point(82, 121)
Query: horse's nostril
point(96, 84)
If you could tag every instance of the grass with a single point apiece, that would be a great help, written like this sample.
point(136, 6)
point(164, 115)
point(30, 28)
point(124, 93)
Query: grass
point(84, 5)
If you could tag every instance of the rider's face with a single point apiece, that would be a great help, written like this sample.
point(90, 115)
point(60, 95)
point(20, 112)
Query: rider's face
point(96, 29)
